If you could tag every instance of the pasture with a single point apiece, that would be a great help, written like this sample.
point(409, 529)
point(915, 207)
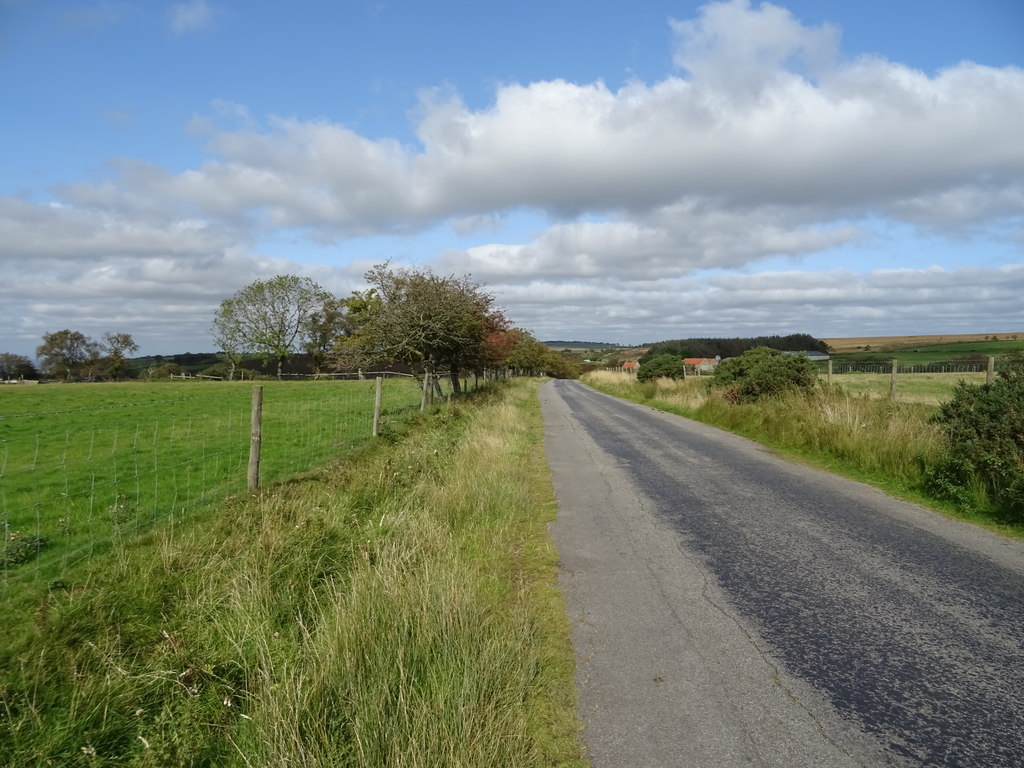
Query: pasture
point(927, 388)
point(947, 344)
point(83, 466)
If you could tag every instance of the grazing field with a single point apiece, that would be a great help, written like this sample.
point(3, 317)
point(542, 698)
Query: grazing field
point(928, 388)
point(947, 345)
point(83, 466)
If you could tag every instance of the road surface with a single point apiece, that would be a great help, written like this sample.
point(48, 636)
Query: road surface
point(729, 608)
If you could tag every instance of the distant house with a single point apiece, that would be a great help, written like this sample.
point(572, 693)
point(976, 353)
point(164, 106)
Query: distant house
point(700, 364)
point(630, 367)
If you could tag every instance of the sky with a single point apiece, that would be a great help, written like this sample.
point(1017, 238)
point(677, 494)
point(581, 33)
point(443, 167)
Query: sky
point(615, 172)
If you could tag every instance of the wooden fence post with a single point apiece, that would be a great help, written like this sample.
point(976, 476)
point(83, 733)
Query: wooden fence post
point(378, 387)
point(256, 439)
point(990, 372)
point(892, 383)
point(425, 400)
point(828, 376)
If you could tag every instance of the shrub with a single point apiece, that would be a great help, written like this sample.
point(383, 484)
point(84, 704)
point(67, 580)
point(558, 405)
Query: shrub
point(983, 427)
point(662, 366)
point(763, 372)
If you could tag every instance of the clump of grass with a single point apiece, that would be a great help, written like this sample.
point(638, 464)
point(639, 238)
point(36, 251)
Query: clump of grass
point(888, 441)
point(397, 609)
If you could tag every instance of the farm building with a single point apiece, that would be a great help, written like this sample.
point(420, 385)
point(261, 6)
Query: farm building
point(701, 364)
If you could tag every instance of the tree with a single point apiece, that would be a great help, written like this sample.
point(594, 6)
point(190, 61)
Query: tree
point(327, 324)
point(520, 351)
point(498, 346)
point(63, 353)
point(14, 366)
point(268, 317)
point(662, 366)
point(763, 372)
point(227, 335)
point(426, 321)
point(116, 346)
point(528, 355)
point(733, 347)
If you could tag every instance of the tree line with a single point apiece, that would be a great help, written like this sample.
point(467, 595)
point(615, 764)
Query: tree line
point(431, 323)
point(712, 347)
point(71, 354)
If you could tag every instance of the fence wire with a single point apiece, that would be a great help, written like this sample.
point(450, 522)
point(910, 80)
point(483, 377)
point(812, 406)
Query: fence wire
point(979, 365)
point(84, 468)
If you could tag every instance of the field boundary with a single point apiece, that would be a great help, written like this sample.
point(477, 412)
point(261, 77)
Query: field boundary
point(98, 464)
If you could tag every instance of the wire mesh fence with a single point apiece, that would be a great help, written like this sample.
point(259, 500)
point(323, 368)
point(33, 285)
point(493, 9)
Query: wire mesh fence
point(84, 468)
point(885, 366)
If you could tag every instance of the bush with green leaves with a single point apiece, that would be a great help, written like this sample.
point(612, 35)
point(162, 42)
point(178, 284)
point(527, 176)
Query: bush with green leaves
point(983, 427)
point(660, 367)
point(763, 372)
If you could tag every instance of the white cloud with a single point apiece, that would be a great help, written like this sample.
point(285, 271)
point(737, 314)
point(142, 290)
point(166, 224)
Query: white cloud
point(61, 232)
point(190, 17)
point(736, 51)
point(764, 143)
point(95, 271)
point(673, 241)
point(868, 137)
point(826, 304)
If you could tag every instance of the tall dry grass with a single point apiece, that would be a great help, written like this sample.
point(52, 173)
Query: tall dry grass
point(888, 442)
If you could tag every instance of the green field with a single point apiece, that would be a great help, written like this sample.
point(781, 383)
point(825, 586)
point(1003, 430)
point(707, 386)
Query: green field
point(933, 353)
point(82, 466)
point(929, 388)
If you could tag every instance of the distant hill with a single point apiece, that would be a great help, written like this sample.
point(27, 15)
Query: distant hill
point(580, 345)
point(861, 343)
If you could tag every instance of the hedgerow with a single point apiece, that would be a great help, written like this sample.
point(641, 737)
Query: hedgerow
point(662, 366)
point(983, 427)
point(763, 372)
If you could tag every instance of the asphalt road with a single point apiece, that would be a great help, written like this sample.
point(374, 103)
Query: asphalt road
point(730, 608)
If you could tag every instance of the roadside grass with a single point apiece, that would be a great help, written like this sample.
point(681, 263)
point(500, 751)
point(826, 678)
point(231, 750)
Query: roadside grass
point(397, 607)
point(889, 444)
point(84, 465)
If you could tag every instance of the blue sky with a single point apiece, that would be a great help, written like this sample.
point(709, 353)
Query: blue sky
point(611, 172)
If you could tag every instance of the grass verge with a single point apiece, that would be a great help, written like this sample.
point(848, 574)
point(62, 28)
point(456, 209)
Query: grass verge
point(398, 609)
point(884, 443)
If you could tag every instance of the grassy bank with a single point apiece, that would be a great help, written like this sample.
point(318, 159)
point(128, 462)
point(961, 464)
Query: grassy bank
point(398, 609)
point(878, 441)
